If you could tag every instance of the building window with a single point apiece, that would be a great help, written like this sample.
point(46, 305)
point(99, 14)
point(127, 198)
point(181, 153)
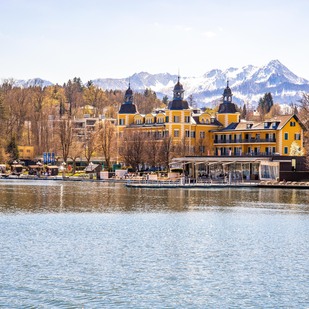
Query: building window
point(202, 134)
point(187, 133)
point(286, 150)
point(176, 133)
point(292, 123)
point(286, 136)
point(160, 120)
point(187, 119)
point(176, 118)
point(297, 136)
point(121, 122)
point(193, 134)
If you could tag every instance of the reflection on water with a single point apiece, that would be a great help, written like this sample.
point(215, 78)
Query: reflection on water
point(54, 196)
point(102, 245)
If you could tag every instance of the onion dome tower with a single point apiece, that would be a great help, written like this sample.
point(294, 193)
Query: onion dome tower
point(128, 107)
point(178, 102)
point(227, 112)
point(227, 106)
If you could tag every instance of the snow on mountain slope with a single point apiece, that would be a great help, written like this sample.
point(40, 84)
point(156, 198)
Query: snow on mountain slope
point(32, 82)
point(248, 84)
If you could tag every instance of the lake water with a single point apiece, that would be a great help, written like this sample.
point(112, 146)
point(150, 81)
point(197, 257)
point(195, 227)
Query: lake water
point(102, 245)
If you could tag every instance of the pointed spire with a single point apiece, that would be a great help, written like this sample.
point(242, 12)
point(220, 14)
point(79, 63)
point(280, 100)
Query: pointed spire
point(128, 97)
point(227, 94)
point(178, 90)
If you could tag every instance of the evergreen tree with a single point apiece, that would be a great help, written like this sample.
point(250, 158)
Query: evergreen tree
point(12, 150)
point(243, 114)
point(191, 100)
point(165, 99)
point(265, 103)
point(295, 110)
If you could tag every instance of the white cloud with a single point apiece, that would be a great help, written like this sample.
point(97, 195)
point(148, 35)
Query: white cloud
point(209, 34)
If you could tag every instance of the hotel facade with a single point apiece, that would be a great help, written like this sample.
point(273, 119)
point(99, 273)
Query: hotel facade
point(219, 134)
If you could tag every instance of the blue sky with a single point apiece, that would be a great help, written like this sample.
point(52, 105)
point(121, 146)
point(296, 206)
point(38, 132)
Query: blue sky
point(61, 39)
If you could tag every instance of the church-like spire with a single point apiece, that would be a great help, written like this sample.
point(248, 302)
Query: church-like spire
point(227, 106)
point(178, 102)
point(178, 90)
point(227, 94)
point(128, 97)
point(128, 107)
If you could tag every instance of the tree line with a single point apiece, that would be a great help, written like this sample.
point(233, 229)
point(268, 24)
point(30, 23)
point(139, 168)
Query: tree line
point(43, 117)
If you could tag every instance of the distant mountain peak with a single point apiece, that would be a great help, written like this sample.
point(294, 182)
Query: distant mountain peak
point(248, 84)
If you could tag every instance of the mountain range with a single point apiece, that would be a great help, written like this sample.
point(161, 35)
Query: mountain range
point(248, 84)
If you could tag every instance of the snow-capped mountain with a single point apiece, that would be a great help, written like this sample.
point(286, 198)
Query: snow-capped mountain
point(32, 82)
point(248, 84)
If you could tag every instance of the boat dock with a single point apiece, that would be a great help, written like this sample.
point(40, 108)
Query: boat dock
point(143, 183)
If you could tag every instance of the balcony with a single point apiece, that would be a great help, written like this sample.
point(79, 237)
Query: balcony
point(246, 141)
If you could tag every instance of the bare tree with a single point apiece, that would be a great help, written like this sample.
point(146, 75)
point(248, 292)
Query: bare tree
point(65, 134)
point(37, 97)
point(166, 151)
point(132, 149)
point(152, 149)
point(75, 152)
point(304, 110)
point(107, 141)
point(304, 117)
point(90, 144)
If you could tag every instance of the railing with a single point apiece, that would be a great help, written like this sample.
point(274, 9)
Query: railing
point(250, 154)
point(244, 141)
point(189, 182)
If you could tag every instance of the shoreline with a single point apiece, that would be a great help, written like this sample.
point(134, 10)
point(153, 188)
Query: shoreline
point(165, 184)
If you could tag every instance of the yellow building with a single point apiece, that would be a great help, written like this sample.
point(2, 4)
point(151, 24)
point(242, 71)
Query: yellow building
point(227, 112)
point(189, 128)
point(201, 134)
point(26, 152)
point(272, 136)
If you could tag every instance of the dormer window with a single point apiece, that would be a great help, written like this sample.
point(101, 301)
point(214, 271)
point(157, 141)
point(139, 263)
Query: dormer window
point(266, 125)
point(160, 120)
